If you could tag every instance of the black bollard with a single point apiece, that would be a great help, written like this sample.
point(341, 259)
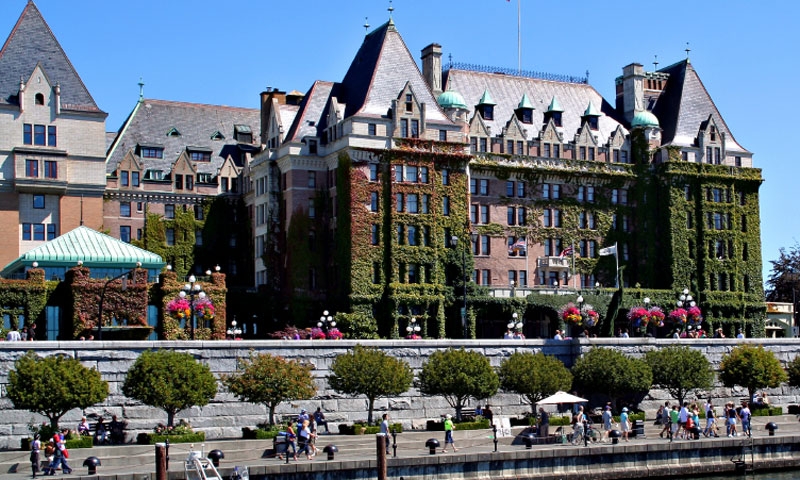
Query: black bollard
point(394, 443)
point(494, 436)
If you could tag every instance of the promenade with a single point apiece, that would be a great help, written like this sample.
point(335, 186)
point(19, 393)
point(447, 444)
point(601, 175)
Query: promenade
point(357, 456)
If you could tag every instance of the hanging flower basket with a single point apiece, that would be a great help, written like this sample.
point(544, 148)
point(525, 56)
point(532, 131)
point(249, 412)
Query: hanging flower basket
point(204, 309)
point(317, 334)
point(639, 317)
point(694, 316)
point(335, 334)
point(657, 316)
point(571, 314)
point(590, 318)
point(179, 309)
point(678, 316)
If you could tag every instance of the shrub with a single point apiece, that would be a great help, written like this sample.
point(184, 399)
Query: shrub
point(768, 411)
point(259, 433)
point(438, 426)
point(77, 441)
point(153, 438)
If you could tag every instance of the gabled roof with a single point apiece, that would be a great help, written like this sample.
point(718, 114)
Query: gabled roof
point(684, 105)
point(309, 117)
point(508, 89)
point(31, 42)
point(151, 120)
point(379, 71)
point(91, 247)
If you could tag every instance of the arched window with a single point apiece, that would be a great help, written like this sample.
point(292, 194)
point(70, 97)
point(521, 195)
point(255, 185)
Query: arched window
point(39, 98)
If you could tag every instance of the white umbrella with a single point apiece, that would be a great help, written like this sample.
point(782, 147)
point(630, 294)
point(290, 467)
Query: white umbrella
point(561, 397)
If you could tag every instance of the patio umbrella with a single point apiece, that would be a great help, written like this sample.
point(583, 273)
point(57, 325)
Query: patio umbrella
point(561, 397)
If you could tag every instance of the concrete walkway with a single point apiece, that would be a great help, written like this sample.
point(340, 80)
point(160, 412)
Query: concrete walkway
point(137, 462)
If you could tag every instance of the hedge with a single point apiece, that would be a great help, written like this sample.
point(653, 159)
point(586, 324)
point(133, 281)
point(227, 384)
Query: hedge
point(153, 438)
point(356, 429)
point(259, 433)
point(83, 441)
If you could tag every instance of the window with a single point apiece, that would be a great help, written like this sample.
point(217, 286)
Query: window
point(623, 156)
point(404, 127)
point(373, 202)
point(125, 210)
point(39, 99)
point(375, 234)
point(473, 186)
point(484, 214)
point(376, 272)
point(582, 153)
point(581, 193)
point(312, 208)
point(51, 231)
point(426, 235)
point(189, 182)
point(199, 214)
point(473, 213)
point(521, 189)
point(590, 194)
point(124, 178)
point(169, 211)
point(198, 237)
point(591, 153)
point(486, 277)
point(445, 176)
point(27, 134)
point(546, 190)
point(442, 135)
point(484, 186)
point(125, 233)
point(401, 235)
point(483, 144)
point(38, 201)
point(50, 169)
point(32, 168)
point(178, 181)
point(509, 189)
point(413, 238)
point(511, 215)
point(473, 144)
point(373, 172)
point(312, 179)
point(152, 152)
point(521, 215)
point(512, 277)
point(398, 173)
point(413, 273)
point(200, 156)
point(39, 135)
point(486, 245)
point(52, 137)
point(414, 128)
point(26, 231)
point(446, 205)
point(409, 102)
point(399, 201)
point(372, 129)
point(556, 191)
point(520, 149)
point(738, 161)
point(412, 203)
point(38, 231)
point(426, 201)
point(423, 174)
point(546, 150)
point(170, 236)
point(509, 146)
point(411, 173)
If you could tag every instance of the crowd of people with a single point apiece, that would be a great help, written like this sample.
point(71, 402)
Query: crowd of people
point(302, 432)
point(683, 421)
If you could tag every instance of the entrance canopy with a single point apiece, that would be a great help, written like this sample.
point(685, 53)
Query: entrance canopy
point(561, 397)
point(106, 256)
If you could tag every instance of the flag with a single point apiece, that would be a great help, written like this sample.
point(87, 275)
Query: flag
point(567, 251)
point(520, 244)
point(612, 250)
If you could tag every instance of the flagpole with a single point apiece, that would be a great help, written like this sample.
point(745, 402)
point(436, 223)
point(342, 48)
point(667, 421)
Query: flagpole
point(519, 37)
point(527, 259)
point(573, 264)
point(616, 259)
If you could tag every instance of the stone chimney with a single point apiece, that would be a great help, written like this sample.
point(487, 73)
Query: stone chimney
point(432, 67)
point(632, 91)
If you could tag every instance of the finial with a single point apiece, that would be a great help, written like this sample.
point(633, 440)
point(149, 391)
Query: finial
point(587, 76)
point(366, 24)
point(655, 63)
point(391, 9)
point(141, 88)
point(450, 57)
point(687, 50)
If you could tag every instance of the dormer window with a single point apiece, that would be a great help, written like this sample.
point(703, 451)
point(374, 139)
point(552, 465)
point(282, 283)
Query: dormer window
point(173, 132)
point(199, 154)
point(592, 122)
point(217, 136)
point(154, 175)
point(409, 103)
point(524, 110)
point(487, 112)
point(151, 151)
point(39, 99)
point(554, 111)
point(713, 132)
point(243, 133)
point(486, 106)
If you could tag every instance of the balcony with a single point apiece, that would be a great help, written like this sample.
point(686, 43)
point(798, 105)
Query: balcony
point(553, 263)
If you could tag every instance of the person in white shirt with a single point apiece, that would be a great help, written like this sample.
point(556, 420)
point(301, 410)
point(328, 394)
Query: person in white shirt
point(13, 335)
point(558, 335)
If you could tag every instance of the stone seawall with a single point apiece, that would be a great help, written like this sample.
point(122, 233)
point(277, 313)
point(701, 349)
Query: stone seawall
point(225, 416)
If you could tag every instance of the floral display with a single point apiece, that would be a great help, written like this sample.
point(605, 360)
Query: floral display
point(590, 317)
point(639, 316)
point(335, 334)
point(657, 316)
point(204, 309)
point(694, 316)
point(678, 316)
point(571, 314)
point(179, 309)
point(317, 334)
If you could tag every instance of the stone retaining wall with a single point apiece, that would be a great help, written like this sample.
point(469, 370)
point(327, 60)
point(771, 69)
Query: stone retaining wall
point(225, 416)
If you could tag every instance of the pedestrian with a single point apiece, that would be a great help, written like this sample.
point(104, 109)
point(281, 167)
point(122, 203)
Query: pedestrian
point(740, 334)
point(312, 425)
point(385, 430)
point(710, 420)
point(116, 431)
point(674, 421)
point(449, 426)
point(60, 456)
point(744, 414)
point(544, 423)
point(488, 414)
point(730, 417)
point(23, 334)
point(319, 417)
point(304, 440)
point(683, 416)
point(509, 334)
point(558, 335)
point(36, 447)
point(291, 438)
point(100, 432)
point(607, 419)
point(13, 335)
point(624, 423)
point(665, 419)
point(625, 333)
point(83, 427)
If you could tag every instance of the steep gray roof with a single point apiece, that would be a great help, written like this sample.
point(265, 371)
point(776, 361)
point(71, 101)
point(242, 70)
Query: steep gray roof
point(308, 118)
point(152, 120)
point(508, 90)
point(379, 72)
point(684, 105)
point(31, 42)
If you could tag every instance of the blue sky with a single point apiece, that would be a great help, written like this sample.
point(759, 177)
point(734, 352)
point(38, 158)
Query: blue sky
point(215, 52)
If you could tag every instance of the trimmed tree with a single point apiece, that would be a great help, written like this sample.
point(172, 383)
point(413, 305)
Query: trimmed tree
point(751, 367)
point(610, 372)
point(793, 372)
point(171, 381)
point(270, 380)
point(680, 370)
point(370, 372)
point(458, 375)
point(52, 386)
point(534, 376)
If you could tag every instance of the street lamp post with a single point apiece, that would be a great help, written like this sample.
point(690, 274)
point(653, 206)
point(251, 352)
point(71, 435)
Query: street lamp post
point(513, 291)
point(103, 295)
point(326, 322)
point(685, 300)
point(454, 242)
point(234, 331)
point(516, 324)
point(647, 307)
point(192, 290)
point(413, 328)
